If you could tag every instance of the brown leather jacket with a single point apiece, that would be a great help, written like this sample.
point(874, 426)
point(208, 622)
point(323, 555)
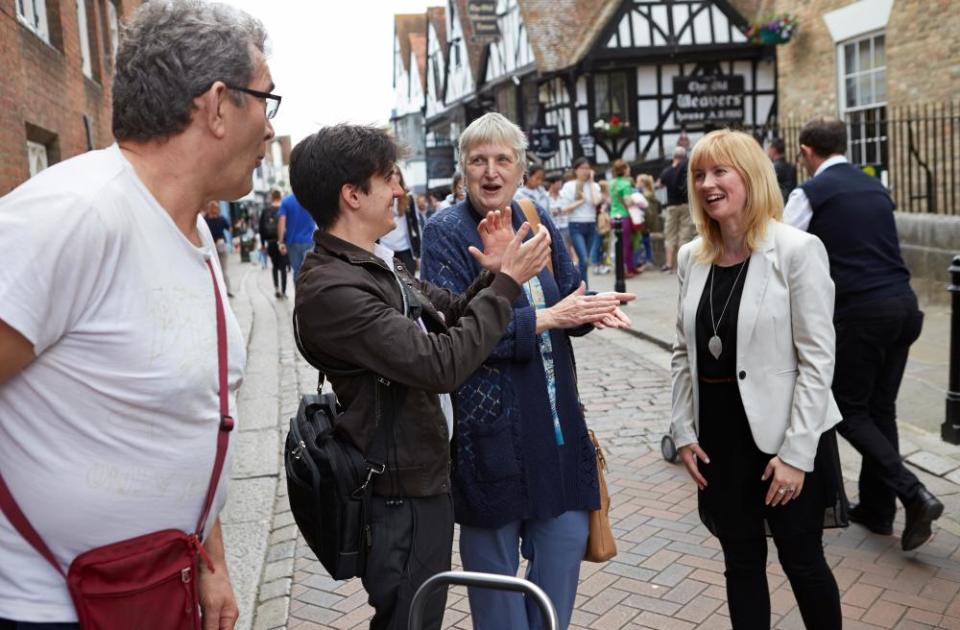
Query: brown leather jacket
point(350, 314)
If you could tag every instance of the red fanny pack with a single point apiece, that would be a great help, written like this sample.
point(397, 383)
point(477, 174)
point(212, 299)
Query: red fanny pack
point(148, 582)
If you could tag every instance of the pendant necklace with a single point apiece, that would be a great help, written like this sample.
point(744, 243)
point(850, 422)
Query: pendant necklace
point(714, 345)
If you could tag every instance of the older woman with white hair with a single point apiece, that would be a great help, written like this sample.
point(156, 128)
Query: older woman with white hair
point(524, 477)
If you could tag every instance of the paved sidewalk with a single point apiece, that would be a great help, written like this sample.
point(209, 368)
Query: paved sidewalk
point(669, 570)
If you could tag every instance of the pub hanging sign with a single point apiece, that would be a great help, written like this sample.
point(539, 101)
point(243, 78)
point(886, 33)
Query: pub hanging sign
point(483, 19)
point(714, 99)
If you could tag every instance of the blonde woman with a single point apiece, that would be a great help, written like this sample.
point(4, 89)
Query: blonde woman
point(752, 368)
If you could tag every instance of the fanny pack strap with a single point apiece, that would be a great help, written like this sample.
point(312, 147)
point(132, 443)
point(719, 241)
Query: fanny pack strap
point(19, 521)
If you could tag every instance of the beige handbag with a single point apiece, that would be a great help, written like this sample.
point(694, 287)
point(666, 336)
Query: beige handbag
point(600, 543)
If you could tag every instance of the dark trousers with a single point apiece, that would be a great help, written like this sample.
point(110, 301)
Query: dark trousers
point(872, 347)
point(7, 624)
point(279, 264)
point(732, 507)
point(412, 541)
point(801, 556)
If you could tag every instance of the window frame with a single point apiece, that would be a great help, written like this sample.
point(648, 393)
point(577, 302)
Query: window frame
point(866, 121)
point(606, 80)
point(34, 149)
point(33, 15)
point(83, 28)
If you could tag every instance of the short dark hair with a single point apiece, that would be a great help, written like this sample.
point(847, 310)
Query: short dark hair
point(321, 164)
point(779, 145)
point(826, 136)
point(534, 168)
point(620, 168)
point(577, 163)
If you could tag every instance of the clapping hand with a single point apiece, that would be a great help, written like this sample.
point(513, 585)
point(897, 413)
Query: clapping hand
point(496, 232)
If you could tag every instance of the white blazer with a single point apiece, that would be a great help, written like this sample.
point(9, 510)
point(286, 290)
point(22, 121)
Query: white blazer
point(785, 345)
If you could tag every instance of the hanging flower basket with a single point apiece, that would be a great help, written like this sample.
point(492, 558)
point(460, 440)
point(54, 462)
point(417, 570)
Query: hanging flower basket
point(611, 128)
point(773, 30)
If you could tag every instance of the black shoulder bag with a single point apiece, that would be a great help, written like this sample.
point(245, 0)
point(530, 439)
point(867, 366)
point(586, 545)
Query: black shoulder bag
point(329, 481)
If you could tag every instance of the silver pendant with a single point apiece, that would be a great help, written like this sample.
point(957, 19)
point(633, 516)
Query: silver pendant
point(715, 346)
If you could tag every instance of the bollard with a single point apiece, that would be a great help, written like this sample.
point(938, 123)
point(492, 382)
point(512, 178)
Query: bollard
point(950, 429)
point(619, 285)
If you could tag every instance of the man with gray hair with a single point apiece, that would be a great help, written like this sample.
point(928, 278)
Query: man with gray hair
point(678, 228)
point(119, 354)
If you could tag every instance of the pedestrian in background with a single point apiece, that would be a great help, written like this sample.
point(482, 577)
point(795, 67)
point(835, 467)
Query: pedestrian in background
point(269, 226)
point(560, 218)
point(533, 189)
point(786, 173)
point(111, 392)
point(525, 474)
point(601, 251)
point(752, 366)
point(620, 190)
point(678, 226)
point(220, 230)
point(580, 197)
point(294, 232)
point(877, 319)
point(399, 239)
point(651, 218)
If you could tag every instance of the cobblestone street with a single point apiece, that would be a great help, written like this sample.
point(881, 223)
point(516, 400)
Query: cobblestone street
point(669, 570)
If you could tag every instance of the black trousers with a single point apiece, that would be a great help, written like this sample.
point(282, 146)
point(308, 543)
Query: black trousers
point(278, 263)
point(872, 347)
point(412, 541)
point(732, 507)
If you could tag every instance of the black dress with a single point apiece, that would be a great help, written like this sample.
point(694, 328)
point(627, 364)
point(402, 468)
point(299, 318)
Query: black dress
point(732, 504)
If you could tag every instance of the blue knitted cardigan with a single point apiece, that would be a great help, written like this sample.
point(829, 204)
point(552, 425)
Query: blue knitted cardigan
point(508, 464)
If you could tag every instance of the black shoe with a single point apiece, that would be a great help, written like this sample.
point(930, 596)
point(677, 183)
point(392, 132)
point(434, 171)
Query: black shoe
point(921, 512)
point(277, 294)
point(858, 515)
point(229, 295)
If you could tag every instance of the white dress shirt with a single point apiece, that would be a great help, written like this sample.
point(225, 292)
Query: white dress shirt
point(798, 211)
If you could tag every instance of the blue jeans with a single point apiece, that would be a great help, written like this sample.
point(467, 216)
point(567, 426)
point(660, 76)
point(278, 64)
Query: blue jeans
point(583, 236)
point(8, 624)
point(554, 549)
point(296, 252)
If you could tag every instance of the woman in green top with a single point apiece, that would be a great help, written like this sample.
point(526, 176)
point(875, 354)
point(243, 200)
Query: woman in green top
point(620, 190)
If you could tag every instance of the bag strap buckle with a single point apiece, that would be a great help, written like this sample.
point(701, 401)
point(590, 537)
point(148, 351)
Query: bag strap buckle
point(374, 469)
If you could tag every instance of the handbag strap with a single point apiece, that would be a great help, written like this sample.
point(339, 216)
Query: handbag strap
point(226, 421)
point(19, 520)
point(530, 212)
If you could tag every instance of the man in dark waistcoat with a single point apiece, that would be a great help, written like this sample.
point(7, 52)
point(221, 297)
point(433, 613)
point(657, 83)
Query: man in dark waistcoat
point(876, 318)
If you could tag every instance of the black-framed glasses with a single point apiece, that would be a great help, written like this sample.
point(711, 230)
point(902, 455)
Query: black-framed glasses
point(272, 100)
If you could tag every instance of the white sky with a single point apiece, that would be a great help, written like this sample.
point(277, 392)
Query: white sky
point(332, 60)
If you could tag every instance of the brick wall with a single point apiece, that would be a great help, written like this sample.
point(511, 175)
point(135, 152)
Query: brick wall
point(45, 95)
point(923, 53)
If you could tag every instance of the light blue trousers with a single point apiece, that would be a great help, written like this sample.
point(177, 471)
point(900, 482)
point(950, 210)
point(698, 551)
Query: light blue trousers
point(553, 548)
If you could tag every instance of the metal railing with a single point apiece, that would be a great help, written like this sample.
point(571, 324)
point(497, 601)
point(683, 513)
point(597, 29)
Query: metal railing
point(912, 148)
point(481, 580)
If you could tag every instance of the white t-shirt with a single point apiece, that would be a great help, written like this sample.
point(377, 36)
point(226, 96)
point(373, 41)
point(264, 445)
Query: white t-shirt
point(110, 432)
point(586, 212)
point(398, 239)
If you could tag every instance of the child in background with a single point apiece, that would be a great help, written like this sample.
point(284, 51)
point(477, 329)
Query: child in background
point(651, 216)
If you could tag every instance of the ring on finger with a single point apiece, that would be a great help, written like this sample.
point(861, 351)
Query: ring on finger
point(781, 490)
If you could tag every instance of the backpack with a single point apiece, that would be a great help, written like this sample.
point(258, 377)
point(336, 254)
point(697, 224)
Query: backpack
point(268, 224)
